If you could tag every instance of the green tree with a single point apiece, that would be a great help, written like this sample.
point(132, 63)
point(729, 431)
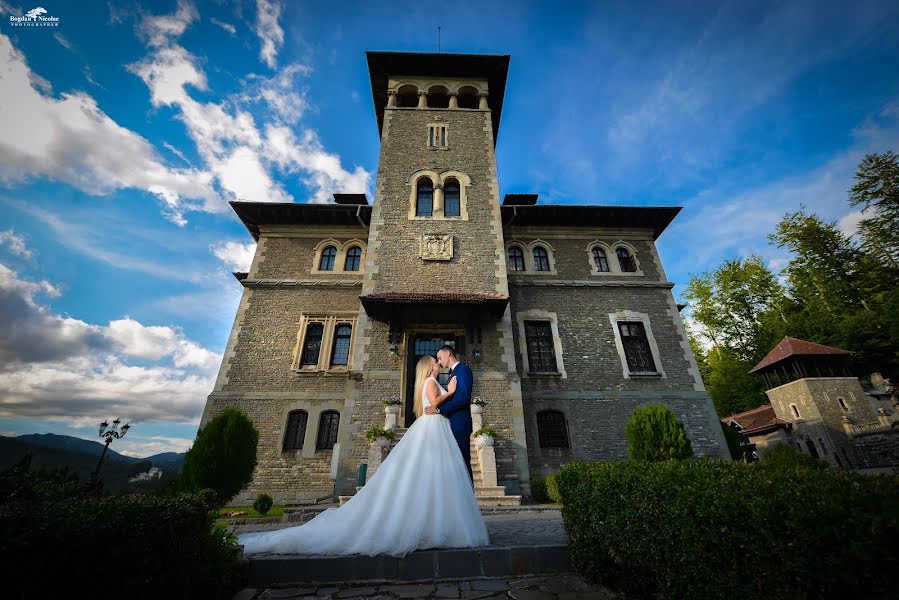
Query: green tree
point(654, 434)
point(730, 384)
point(223, 456)
point(876, 190)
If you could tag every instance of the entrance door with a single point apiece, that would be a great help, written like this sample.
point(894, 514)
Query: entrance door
point(426, 344)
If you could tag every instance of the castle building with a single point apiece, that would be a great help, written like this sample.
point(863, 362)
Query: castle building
point(564, 313)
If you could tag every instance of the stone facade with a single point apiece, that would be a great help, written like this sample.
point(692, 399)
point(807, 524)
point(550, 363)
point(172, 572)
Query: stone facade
point(411, 291)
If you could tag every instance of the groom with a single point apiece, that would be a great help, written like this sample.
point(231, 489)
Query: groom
point(458, 408)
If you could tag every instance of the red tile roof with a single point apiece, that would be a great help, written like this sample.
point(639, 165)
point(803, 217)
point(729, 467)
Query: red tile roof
point(757, 420)
point(793, 347)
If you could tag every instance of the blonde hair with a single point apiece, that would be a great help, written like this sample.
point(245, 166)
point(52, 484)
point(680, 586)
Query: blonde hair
point(422, 371)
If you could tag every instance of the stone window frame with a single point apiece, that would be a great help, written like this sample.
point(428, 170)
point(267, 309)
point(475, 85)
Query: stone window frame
point(302, 442)
point(841, 401)
point(565, 428)
point(794, 409)
point(340, 259)
point(330, 321)
point(611, 250)
point(633, 316)
point(540, 315)
point(436, 127)
point(314, 409)
point(523, 251)
point(318, 431)
point(438, 179)
point(528, 249)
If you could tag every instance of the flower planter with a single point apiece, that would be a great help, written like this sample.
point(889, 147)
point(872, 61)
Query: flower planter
point(476, 409)
point(392, 409)
point(483, 440)
point(382, 441)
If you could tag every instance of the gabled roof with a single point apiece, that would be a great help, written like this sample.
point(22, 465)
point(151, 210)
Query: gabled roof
point(795, 347)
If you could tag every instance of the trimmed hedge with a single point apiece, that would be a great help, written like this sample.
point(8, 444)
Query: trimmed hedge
point(538, 490)
point(715, 529)
point(143, 545)
point(552, 489)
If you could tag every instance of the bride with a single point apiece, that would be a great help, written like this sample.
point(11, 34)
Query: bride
point(420, 497)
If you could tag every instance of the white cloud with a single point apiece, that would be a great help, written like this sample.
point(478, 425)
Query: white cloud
point(15, 243)
point(226, 26)
point(70, 139)
point(65, 43)
point(143, 447)
point(54, 367)
point(235, 255)
point(159, 29)
point(269, 31)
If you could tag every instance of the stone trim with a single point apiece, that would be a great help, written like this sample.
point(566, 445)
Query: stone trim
point(539, 315)
point(528, 250)
point(330, 321)
point(587, 283)
point(612, 259)
point(340, 260)
point(629, 316)
point(222, 379)
point(288, 283)
point(313, 421)
point(687, 349)
point(439, 180)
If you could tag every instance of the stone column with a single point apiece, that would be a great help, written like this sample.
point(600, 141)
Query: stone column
point(482, 101)
point(487, 458)
point(477, 418)
point(422, 99)
point(376, 455)
point(438, 199)
point(453, 100)
point(391, 99)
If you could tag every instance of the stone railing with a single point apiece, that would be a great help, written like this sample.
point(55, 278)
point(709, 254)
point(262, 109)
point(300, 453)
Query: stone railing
point(866, 428)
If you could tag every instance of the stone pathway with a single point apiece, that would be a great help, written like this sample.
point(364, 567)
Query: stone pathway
point(566, 586)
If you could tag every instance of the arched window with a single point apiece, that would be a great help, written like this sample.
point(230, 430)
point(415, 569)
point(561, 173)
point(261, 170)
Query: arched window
point(329, 254)
point(843, 404)
point(341, 353)
point(438, 97)
point(541, 259)
point(296, 430)
point(353, 259)
point(627, 262)
point(468, 97)
point(424, 198)
point(452, 203)
point(516, 258)
point(328, 425)
point(312, 344)
point(551, 429)
point(600, 260)
point(407, 96)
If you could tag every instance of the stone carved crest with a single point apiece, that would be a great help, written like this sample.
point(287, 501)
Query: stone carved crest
point(436, 247)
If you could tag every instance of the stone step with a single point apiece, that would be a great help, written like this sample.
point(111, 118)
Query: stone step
point(500, 501)
point(267, 570)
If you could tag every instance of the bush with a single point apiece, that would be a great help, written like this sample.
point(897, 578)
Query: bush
point(263, 503)
point(538, 490)
point(654, 433)
point(718, 529)
point(147, 546)
point(486, 431)
point(784, 456)
point(552, 489)
point(376, 432)
point(223, 456)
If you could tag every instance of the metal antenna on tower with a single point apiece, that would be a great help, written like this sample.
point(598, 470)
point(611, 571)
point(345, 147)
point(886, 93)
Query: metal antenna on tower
point(438, 39)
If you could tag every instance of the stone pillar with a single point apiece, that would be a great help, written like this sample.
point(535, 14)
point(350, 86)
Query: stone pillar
point(376, 455)
point(453, 100)
point(487, 458)
point(391, 99)
point(477, 420)
point(438, 199)
point(422, 99)
point(482, 101)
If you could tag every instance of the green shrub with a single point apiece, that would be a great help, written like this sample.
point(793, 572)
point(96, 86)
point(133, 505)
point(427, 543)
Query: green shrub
point(263, 503)
point(719, 529)
point(486, 431)
point(376, 432)
point(223, 456)
point(145, 545)
point(654, 433)
point(552, 489)
point(784, 456)
point(538, 490)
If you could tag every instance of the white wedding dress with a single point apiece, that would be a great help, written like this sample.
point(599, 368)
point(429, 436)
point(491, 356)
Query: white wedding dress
point(420, 497)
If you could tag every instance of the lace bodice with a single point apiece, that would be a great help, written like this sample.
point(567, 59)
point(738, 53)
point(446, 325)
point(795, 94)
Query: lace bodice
point(424, 392)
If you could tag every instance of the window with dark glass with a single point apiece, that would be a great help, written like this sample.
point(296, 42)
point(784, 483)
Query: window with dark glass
point(353, 259)
point(541, 355)
point(627, 262)
point(327, 430)
point(329, 254)
point(312, 344)
point(551, 429)
point(452, 200)
point(424, 203)
point(516, 258)
point(636, 348)
point(541, 259)
point(341, 353)
point(600, 260)
point(296, 430)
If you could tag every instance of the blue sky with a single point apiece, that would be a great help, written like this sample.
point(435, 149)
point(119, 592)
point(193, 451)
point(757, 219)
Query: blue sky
point(125, 129)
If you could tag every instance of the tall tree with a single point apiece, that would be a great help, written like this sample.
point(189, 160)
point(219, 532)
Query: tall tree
point(876, 189)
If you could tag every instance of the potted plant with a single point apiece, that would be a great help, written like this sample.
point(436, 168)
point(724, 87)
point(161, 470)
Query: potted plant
point(485, 436)
point(392, 405)
point(477, 405)
point(381, 437)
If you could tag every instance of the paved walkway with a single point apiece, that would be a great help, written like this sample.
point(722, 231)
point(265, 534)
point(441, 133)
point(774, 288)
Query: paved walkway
point(566, 586)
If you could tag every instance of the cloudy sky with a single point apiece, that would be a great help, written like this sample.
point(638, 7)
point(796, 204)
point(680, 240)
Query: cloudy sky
point(126, 129)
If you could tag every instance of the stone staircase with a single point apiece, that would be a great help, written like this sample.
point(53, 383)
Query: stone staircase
point(486, 495)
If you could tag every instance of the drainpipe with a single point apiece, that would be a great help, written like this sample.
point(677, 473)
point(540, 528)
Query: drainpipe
point(358, 218)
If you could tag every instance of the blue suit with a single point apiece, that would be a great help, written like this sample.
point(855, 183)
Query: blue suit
point(458, 410)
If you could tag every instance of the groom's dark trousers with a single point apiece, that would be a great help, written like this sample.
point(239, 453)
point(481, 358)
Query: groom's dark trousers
point(458, 410)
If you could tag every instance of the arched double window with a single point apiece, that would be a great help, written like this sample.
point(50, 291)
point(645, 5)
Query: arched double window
point(296, 430)
point(452, 198)
point(551, 429)
point(600, 260)
point(424, 198)
point(516, 258)
point(328, 424)
point(541, 259)
point(353, 259)
point(627, 262)
point(329, 255)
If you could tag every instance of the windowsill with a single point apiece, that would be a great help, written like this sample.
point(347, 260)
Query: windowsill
point(438, 147)
point(544, 374)
point(647, 374)
point(326, 372)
